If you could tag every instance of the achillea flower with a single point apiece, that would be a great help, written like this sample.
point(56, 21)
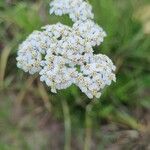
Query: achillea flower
point(90, 31)
point(76, 9)
point(64, 55)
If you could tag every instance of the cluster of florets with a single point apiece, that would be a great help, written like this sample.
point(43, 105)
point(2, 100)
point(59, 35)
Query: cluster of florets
point(76, 9)
point(64, 55)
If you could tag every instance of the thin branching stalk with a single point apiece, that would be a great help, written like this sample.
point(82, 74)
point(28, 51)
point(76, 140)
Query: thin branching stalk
point(88, 128)
point(67, 124)
point(44, 95)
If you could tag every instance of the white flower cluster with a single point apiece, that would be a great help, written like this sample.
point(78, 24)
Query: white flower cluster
point(90, 31)
point(64, 55)
point(77, 9)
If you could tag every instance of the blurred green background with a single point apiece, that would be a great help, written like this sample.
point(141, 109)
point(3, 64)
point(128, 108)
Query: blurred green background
point(32, 118)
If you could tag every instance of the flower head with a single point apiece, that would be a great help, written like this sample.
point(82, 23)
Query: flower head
point(76, 9)
point(64, 55)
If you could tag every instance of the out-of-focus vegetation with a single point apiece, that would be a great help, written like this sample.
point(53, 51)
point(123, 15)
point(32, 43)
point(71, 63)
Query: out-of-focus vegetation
point(32, 118)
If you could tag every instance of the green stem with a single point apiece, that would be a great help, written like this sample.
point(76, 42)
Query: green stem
point(67, 124)
point(88, 129)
